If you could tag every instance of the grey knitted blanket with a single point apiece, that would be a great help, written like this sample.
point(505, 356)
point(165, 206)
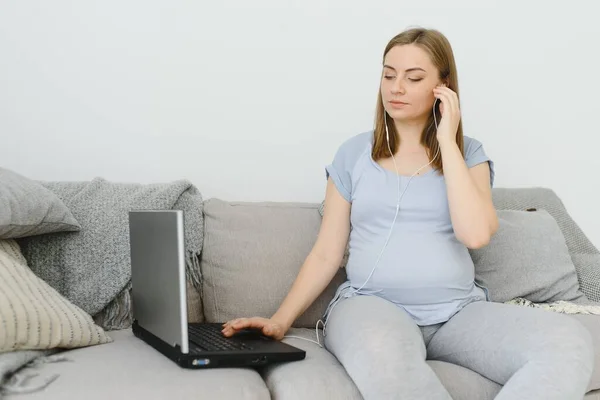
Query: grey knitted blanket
point(92, 267)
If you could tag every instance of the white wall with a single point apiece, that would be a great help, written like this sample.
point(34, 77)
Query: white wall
point(250, 99)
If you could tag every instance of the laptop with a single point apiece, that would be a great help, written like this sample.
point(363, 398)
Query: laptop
point(159, 303)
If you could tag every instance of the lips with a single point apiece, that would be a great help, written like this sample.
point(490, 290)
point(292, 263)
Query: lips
point(397, 104)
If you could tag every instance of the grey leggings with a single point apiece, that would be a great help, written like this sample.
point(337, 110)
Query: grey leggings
point(533, 353)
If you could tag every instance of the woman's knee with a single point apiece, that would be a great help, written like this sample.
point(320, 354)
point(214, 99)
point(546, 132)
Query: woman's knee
point(576, 339)
point(568, 340)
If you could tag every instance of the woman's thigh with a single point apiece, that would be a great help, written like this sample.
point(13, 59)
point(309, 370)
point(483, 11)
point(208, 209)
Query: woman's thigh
point(382, 349)
point(359, 322)
point(496, 340)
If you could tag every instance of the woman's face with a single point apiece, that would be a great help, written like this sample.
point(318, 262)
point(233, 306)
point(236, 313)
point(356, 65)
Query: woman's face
point(407, 83)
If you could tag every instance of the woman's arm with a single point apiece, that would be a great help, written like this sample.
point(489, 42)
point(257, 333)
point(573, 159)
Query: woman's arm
point(469, 189)
point(469, 192)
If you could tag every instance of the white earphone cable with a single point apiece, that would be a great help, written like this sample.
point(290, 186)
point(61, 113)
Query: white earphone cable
point(318, 341)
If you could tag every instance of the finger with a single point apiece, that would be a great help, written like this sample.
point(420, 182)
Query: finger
point(249, 323)
point(442, 99)
point(239, 322)
point(233, 321)
point(445, 99)
point(229, 330)
point(452, 97)
point(229, 323)
point(271, 329)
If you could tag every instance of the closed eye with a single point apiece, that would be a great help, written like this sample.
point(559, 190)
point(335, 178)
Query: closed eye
point(388, 77)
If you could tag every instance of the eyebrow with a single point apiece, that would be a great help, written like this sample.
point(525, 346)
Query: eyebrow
point(408, 70)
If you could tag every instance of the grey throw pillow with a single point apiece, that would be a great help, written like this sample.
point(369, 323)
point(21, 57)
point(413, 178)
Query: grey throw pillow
point(584, 254)
point(527, 257)
point(27, 208)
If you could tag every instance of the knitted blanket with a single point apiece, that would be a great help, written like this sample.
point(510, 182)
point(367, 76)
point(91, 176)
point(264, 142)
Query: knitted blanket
point(560, 306)
point(92, 267)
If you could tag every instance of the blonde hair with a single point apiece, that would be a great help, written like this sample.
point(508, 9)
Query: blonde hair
point(440, 52)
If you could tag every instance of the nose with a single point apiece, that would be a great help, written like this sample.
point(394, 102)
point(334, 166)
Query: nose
point(397, 87)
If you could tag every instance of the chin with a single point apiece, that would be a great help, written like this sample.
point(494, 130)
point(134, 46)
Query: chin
point(401, 115)
point(406, 116)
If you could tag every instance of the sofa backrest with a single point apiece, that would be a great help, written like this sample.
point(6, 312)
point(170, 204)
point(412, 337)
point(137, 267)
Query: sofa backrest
point(251, 255)
point(253, 251)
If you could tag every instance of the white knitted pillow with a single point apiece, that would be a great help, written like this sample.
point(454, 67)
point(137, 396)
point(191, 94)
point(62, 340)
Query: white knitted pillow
point(35, 316)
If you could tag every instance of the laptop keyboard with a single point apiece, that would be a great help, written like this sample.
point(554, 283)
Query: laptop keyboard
point(209, 337)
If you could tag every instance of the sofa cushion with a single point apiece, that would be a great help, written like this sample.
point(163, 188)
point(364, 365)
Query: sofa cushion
point(584, 254)
point(27, 208)
point(35, 316)
point(527, 257)
point(251, 255)
point(318, 377)
point(128, 368)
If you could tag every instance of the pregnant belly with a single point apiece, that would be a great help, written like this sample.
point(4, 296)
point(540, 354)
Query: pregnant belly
point(415, 268)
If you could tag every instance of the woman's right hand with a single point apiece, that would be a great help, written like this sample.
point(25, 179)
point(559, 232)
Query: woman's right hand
point(267, 326)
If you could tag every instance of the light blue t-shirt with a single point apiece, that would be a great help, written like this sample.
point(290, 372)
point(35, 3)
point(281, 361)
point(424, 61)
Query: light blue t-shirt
point(424, 269)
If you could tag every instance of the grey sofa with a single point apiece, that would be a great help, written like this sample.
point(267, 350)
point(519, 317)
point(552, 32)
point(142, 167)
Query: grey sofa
point(250, 257)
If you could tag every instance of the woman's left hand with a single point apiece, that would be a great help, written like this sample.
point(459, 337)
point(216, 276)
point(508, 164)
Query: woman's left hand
point(450, 110)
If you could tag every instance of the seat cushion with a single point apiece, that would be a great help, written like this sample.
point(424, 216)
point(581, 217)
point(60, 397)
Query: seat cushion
point(319, 376)
point(128, 368)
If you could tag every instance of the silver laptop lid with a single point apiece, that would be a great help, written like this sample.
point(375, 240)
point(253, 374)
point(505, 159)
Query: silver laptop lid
point(158, 274)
